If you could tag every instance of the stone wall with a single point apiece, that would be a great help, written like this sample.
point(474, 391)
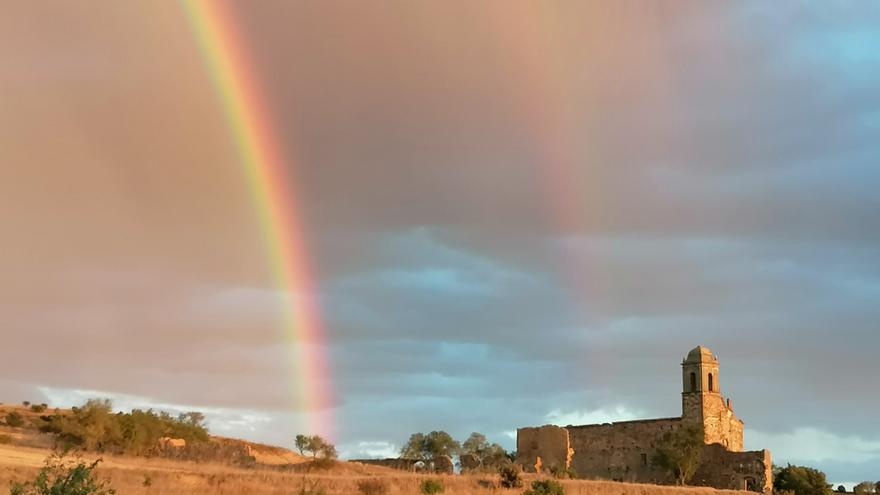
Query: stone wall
point(623, 452)
point(619, 451)
point(724, 469)
point(716, 417)
point(543, 448)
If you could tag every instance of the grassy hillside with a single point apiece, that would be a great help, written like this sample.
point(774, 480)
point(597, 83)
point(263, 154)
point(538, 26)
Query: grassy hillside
point(273, 470)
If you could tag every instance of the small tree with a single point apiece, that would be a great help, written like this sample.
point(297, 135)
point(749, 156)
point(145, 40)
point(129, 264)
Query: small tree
point(841, 489)
point(64, 476)
point(302, 443)
point(323, 452)
point(801, 480)
point(488, 454)
point(680, 452)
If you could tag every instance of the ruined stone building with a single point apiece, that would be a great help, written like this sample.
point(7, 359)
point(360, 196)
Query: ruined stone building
point(623, 451)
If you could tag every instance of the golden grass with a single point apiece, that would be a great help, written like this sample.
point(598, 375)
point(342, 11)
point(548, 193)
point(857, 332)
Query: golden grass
point(21, 461)
point(140, 476)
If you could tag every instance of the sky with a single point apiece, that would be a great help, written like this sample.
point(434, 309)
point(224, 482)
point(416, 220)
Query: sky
point(516, 213)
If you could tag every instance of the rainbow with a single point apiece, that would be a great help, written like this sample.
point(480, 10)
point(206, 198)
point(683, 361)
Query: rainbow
point(223, 49)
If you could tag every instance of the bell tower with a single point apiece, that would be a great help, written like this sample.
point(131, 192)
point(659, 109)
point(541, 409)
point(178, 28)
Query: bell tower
point(702, 404)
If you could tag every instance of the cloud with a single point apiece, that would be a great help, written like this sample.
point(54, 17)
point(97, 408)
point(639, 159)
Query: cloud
point(369, 450)
point(813, 446)
point(597, 416)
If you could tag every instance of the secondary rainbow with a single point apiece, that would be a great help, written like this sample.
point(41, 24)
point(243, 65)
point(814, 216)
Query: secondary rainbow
point(223, 49)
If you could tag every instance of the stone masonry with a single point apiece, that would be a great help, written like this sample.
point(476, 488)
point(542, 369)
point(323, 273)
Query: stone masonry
point(623, 451)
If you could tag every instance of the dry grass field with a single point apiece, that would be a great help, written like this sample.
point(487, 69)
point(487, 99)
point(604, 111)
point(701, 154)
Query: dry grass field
point(144, 476)
point(277, 471)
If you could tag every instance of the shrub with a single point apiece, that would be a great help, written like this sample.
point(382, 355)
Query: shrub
point(545, 487)
point(26, 403)
point(430, 487)
point(64, 476)
point(14, 419)
point(94, 426)
point(4, 439)
point(510, 477)
point(38, 408)
point(373, 487)
point(563, 473)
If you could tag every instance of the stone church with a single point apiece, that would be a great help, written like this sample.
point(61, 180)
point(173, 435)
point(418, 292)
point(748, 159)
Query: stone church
point(623, 451)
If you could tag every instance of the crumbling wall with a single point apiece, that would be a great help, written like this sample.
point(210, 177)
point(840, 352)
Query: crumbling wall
point(543, 448)
point(721, 468)
point(721, 426)
point(620, 451)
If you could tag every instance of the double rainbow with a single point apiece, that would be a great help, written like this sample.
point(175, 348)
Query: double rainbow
point(222, 47)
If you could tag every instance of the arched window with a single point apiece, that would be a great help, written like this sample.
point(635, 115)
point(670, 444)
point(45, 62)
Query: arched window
point(711, 383)
point(693, 382)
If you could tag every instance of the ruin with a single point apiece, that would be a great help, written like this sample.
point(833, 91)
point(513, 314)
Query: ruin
point(623, 451)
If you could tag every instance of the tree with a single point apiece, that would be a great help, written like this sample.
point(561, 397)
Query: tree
point(427, 447)
point(301, 442)
point(488, 454)
point(865, 488)
point(841, 489)
point(64, 476)
point(801, 480)
point(316, 446)
point(475, 444)
point(193, 418)
point(680, 452)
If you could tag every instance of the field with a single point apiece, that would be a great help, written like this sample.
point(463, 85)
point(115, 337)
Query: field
point(277, 471)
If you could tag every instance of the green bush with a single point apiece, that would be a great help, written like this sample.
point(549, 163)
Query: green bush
point(38, 408)
point(545, 487)
point(14, 419)
point(372, 487)
point(430, 487)
point(64, 476)
point(510, 476)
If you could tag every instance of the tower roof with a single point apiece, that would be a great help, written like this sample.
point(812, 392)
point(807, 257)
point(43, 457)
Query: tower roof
point(700, 354)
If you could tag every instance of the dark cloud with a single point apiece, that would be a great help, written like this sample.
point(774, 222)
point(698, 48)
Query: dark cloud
point(516, 212)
